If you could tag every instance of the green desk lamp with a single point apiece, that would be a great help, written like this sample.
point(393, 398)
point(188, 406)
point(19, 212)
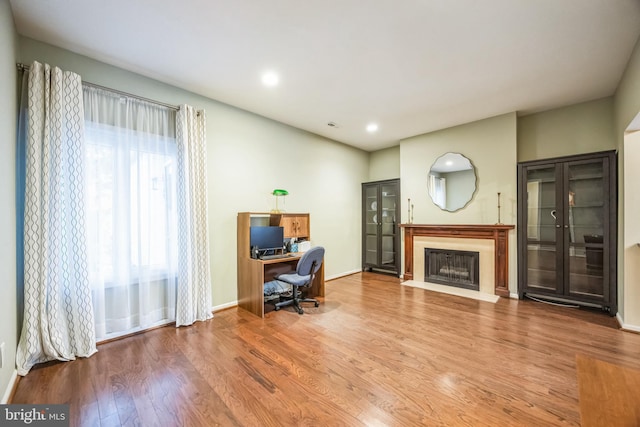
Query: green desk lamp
point(278, 193)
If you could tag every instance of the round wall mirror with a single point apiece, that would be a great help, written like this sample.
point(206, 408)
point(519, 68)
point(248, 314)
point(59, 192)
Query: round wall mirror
point(452, 181)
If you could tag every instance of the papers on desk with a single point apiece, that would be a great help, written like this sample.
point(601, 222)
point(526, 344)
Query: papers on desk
point(304, 246)
point(276, 287)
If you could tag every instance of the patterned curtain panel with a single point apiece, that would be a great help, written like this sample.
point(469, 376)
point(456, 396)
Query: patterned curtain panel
point(58, 314)
point(194, 276)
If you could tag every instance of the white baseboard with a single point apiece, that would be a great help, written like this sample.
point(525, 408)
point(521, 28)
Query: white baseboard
point(10, 387)
point(514, 295)
point(224, 306)
point(626, 326)
point(346, 273)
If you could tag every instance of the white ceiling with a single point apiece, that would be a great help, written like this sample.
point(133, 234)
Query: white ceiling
point(451, 162)
point(412, 66)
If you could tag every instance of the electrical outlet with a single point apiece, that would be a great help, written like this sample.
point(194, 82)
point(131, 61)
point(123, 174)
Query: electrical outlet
point(1, 355)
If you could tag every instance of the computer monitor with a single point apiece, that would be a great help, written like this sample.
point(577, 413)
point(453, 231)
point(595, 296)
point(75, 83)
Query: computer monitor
point(266, 238)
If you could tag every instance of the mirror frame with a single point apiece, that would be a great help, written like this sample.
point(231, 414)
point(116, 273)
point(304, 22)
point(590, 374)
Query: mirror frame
point(475, 181)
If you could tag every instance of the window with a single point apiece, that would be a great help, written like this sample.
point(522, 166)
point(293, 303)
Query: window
point(131, 212)
point(131, 194)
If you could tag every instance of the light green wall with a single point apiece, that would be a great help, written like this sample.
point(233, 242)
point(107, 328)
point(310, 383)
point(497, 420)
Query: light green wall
point(577, 129)
point(384, 164)
point(630, 236)
point(8, 102)
point(490, 144)
point(627, 97)
point(626, 107)
point(249, 156)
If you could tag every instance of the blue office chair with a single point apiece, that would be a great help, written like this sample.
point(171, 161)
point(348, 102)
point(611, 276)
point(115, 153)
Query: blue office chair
point(306, 270)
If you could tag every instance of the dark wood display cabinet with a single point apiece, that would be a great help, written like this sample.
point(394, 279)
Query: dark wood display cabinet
point(380, 231)
point(567, 230)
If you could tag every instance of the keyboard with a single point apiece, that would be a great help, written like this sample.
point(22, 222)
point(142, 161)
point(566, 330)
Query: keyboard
point(268, 257)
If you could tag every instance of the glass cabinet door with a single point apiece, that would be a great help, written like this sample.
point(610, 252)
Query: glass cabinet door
point(388, 228)
point(567, 242)
point(542, 228)
point(380, 232)
point(585, 227)
point(371, 220)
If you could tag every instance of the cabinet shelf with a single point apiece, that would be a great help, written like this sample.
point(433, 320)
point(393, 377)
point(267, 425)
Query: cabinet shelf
point(542, 180)
point(580, 206)
point(585, 177)
point(588, 206)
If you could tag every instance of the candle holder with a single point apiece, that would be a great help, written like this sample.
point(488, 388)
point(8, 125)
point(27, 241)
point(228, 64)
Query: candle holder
point(498, 223)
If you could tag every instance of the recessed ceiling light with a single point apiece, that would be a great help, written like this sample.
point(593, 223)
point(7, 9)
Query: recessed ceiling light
point(372, 127)
point(270, 79)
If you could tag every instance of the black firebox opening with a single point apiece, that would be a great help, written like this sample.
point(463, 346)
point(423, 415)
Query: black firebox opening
point(454, 268)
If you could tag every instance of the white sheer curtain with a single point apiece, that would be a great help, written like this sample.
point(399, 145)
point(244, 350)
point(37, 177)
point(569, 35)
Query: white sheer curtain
point(131, 212)
point(194, 276)
point(58, 317)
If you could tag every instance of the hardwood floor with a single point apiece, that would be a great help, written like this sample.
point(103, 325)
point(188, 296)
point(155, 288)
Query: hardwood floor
point(609, 394)
point(374, 353)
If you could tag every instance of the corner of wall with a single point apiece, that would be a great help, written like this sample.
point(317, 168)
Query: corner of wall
point(8, 393)
point(384, 164)
point(626, 326)
point(8, 117)
point(626, 108)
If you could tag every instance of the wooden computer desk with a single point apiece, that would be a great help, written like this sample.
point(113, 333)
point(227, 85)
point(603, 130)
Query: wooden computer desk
point(254, 273)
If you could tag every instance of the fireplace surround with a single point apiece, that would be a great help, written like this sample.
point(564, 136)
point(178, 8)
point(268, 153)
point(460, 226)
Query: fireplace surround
point(498, 234)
